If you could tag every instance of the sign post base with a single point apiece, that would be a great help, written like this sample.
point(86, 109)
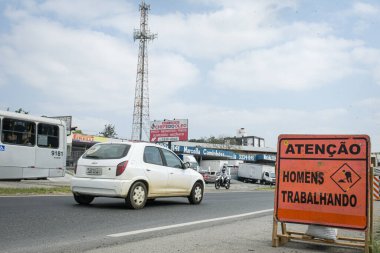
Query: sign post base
point(286, 235)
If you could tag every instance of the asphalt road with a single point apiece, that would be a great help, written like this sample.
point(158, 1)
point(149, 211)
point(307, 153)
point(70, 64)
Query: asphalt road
point(58, 224)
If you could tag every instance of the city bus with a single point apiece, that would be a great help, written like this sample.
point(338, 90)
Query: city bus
point(31, 147)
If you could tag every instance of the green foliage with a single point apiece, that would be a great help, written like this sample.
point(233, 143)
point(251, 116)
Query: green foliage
point(33, 191)
point(211, 139)
point(109, 131)
point(20, 110)
point(77, 131)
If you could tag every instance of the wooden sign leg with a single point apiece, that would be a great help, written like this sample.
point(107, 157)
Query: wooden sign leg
point(284, 240)
point(275, 238)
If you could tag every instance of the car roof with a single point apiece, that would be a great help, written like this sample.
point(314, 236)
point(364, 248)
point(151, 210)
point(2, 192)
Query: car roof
point(133, 143)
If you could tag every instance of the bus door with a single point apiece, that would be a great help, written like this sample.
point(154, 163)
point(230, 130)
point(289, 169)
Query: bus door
point(50, 155)
point(17, 153)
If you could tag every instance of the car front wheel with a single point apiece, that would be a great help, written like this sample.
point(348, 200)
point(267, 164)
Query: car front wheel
point(137, 196)
point(196, 194)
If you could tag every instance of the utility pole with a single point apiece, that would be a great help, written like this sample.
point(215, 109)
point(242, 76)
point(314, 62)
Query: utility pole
point(141, 118)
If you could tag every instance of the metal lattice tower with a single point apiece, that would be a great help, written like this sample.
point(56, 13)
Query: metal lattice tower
point(141, 119)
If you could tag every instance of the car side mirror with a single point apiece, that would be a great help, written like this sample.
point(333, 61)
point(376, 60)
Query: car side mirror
point(186, 165)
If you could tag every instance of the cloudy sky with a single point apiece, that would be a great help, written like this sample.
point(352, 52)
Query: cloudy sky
point(271, 67)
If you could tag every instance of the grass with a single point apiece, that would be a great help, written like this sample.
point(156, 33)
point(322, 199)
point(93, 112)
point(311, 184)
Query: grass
point(35, 191)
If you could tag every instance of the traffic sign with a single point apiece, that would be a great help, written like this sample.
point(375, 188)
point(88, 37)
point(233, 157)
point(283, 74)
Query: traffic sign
point(323, 180)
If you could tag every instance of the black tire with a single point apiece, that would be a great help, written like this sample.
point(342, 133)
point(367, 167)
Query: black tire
point(228, 183)
point(83, 199)
point(196, 194)
point(217, 184)
point(137, 196)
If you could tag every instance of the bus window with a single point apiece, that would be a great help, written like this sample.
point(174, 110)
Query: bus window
point(18, 132)
point(48, 136)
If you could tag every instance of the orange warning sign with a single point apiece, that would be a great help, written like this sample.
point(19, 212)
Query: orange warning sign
point(323, 180)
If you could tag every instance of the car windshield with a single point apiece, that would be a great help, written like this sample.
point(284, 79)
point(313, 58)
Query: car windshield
point(107, 151)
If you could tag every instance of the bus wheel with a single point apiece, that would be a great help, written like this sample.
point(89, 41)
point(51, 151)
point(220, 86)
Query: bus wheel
point(83, 199)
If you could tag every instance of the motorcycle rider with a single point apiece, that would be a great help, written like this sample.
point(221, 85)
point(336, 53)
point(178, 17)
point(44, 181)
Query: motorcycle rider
point(224, 175)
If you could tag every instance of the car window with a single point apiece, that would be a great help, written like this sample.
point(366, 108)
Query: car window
point(171, 159)
point(107, 151)
point(152, 155)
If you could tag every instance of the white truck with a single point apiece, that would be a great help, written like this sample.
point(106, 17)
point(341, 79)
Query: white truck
point(213, 165)
point(190, 159)
point(257, 173)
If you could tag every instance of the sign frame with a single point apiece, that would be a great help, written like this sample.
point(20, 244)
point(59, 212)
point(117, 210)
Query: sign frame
point(286, 235)
point(67, 119)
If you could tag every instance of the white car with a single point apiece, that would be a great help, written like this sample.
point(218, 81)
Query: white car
point(134, 171)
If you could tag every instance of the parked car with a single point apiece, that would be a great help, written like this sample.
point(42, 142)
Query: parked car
point(136, 172)
point(209, 177)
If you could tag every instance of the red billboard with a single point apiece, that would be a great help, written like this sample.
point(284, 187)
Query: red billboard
point(169, 130)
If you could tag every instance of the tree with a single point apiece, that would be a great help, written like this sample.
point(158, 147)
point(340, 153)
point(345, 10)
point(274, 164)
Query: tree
point(109, 131)
point(211, 139)
point(20, 110)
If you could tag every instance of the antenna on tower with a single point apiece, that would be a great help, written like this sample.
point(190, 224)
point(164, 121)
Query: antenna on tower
point(141, 119)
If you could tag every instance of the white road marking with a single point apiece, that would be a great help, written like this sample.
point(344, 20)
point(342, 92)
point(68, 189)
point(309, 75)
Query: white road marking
point(187, 224)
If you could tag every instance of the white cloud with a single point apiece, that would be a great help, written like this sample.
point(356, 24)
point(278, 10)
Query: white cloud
point(296, 65)
point(369, 103)
point(80, 70)
point(88, 10)
point(168, 75)
point(206, 120)
point(369, 58)
point(85, 14)
point(231, 28)
point(81, 66)
point(89, 124)
point(365, 9)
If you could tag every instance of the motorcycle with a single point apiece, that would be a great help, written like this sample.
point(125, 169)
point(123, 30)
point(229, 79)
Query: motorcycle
point(220, 182)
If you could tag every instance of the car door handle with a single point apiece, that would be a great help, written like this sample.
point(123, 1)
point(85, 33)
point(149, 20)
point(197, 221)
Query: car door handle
point(171, 173)
point(147, 169)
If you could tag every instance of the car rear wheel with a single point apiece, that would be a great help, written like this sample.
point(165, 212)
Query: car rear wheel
point(137, 196)
point(196, 194)
point(83, 199)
